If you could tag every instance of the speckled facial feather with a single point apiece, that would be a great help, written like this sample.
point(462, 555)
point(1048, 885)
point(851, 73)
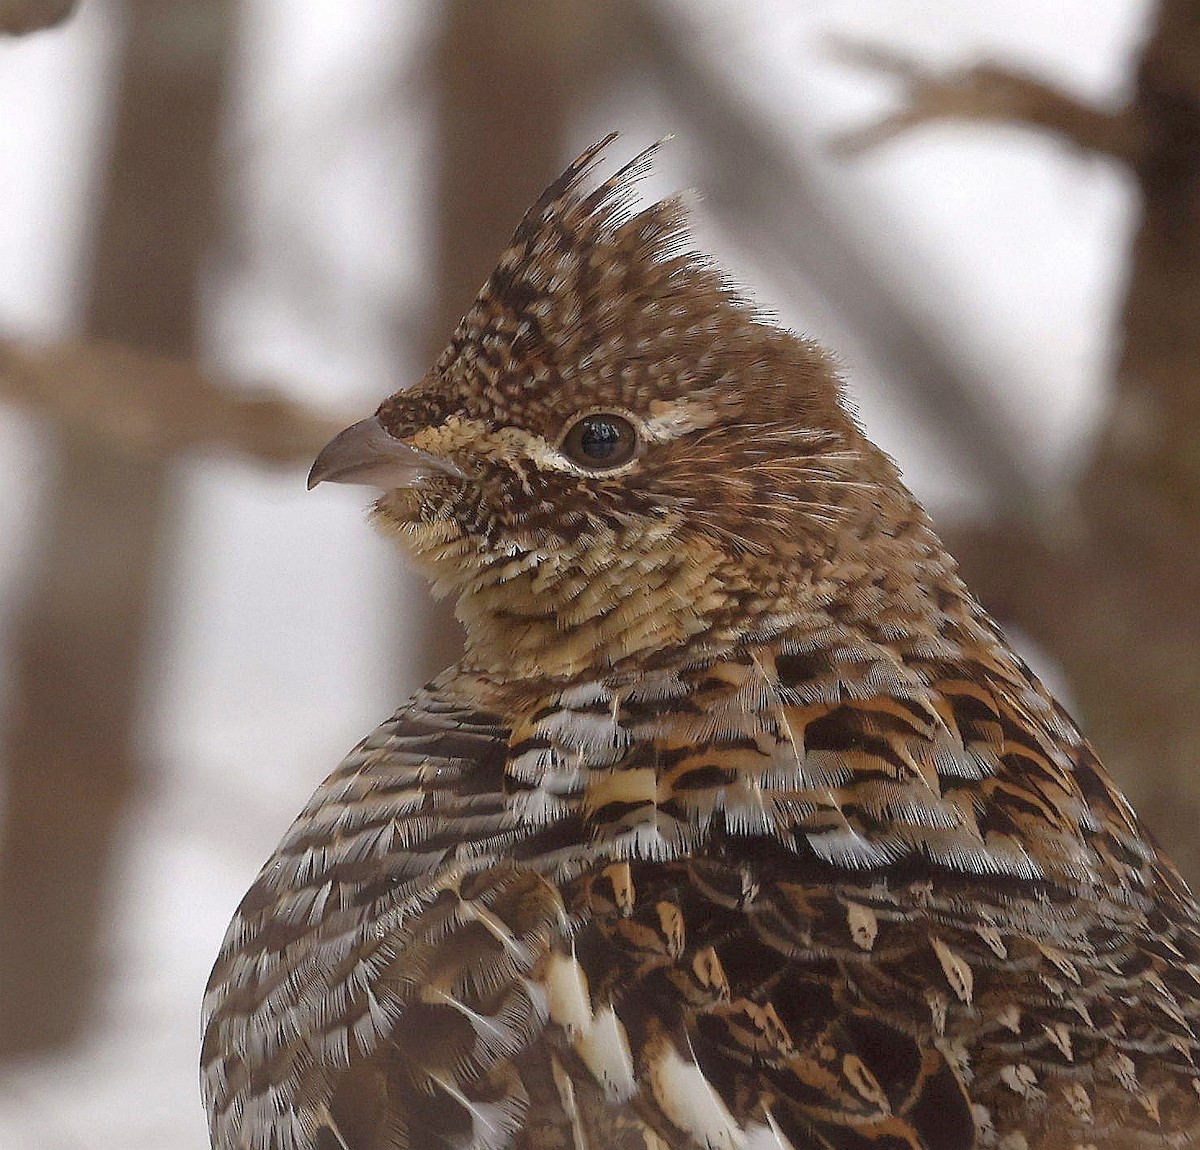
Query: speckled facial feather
point(749, 459)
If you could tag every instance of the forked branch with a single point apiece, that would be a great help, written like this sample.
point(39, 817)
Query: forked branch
point(984, 93)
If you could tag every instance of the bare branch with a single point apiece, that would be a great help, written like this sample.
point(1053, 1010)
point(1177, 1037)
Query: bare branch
point(18, 17)
point(985, 93)
point(151, 405)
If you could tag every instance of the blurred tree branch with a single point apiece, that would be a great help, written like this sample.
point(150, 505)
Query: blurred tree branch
point(154, 406)
point(1114, 593)
point(983, 93)
point(18, 17)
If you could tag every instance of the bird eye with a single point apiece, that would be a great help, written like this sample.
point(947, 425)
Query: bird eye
point(601, 442)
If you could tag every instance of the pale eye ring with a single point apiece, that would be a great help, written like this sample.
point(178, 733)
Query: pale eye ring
point(601, 441)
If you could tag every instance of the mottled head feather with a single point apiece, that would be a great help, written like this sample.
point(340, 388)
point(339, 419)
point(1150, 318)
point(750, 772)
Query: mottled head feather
point(749, 469)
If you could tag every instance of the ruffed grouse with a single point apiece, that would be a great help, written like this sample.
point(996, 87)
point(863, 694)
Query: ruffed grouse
point(740, 825)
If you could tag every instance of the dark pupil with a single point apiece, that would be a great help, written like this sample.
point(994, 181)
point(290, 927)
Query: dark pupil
point(600, 439)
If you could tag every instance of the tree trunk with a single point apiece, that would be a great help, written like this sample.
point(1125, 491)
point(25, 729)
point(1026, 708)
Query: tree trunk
point(80, 639)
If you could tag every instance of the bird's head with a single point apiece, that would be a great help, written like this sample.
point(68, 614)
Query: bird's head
point(616, 454)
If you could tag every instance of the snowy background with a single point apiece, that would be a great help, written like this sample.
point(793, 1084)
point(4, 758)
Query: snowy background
point(283, 622)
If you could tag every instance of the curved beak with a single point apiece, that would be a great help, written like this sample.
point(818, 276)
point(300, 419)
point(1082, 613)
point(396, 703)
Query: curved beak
point(365, 453)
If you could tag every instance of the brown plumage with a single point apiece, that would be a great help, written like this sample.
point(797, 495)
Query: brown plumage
point(740, 825)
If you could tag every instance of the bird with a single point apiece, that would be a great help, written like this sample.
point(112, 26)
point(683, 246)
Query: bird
point(739, 825)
